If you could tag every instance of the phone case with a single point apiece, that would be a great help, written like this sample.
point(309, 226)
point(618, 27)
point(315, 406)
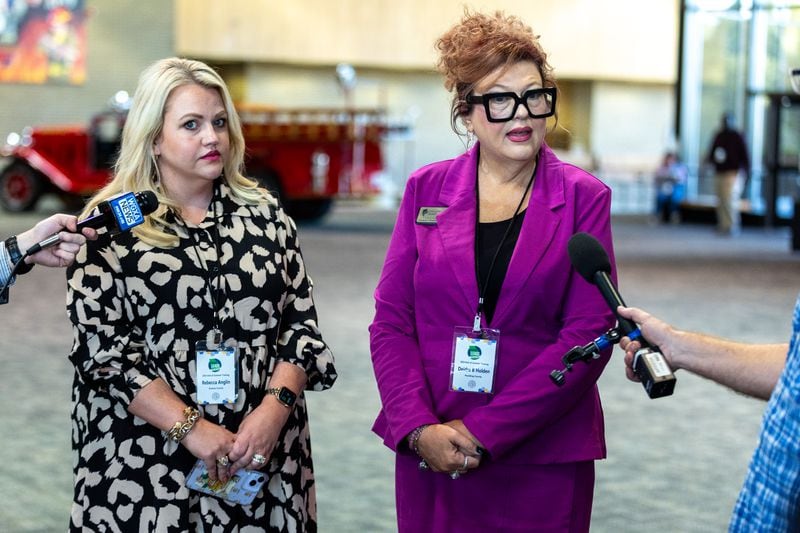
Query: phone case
point(241, 488)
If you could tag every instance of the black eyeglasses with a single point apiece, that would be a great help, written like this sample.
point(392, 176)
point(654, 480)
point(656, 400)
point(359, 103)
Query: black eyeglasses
point(501, 107)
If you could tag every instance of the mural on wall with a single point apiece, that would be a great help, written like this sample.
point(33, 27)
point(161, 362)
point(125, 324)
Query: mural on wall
point(43, 41)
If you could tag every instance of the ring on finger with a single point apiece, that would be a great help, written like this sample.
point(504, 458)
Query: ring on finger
point(466, 460)
point(223, 461)
point(259, 459)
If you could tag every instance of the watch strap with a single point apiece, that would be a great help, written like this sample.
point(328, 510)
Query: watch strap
point(16, 256)
point(284, 395)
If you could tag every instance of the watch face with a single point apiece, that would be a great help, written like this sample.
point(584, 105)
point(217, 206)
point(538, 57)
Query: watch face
point(286, 396)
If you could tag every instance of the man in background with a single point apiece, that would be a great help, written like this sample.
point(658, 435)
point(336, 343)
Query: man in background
point(728, 154)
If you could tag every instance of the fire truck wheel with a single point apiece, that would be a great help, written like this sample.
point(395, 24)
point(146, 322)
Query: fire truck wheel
point(311, 209)
point(20, 187)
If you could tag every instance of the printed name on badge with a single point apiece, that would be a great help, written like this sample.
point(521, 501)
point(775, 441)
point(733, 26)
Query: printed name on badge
point(217, 376)
point(427, 215)
point(474, 358)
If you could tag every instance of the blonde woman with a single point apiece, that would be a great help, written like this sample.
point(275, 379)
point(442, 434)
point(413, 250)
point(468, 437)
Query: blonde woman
point(195, 334)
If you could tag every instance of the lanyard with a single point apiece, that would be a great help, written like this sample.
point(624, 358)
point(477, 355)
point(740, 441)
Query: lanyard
point(215, 270)
point(476, 324)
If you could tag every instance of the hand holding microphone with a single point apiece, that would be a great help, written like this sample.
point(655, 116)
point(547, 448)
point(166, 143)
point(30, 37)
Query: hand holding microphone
point(655, 331)
point(116, 215)
point(69, 242)
point(591, 261)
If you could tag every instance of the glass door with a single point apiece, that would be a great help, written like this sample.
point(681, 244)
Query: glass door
point(781, 157)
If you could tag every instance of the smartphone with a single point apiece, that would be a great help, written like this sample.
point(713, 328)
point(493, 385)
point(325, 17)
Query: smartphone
point(241, 488)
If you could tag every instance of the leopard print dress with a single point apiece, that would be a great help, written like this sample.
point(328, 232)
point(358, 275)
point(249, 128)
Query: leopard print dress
point(137, 312)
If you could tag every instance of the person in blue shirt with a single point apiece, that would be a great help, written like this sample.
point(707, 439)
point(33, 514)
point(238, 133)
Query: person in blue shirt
point(770, 497)
point(670, 185)
point(61, 254)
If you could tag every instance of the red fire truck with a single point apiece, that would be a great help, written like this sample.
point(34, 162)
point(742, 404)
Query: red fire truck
point(308, 156)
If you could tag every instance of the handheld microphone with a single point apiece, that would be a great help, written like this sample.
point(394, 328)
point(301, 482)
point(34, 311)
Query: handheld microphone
point(591, 261)
point(117, 215)
point(589, 351)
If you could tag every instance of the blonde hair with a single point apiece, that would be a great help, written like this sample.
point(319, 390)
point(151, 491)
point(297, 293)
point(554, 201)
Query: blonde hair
point(136, 168)
point(480, 44)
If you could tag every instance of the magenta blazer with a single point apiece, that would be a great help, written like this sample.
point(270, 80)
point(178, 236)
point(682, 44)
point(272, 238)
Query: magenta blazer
point(428, 286)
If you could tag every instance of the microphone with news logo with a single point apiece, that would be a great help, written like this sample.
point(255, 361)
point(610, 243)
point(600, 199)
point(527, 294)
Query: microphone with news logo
point(590, 260)
point(117, 215)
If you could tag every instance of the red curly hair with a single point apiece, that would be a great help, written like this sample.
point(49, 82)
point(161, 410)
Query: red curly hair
point(480, 44)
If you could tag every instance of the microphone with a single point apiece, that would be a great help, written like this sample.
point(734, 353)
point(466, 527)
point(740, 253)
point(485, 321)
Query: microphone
point(117, 215)
point(591, 261)
point(589, 351)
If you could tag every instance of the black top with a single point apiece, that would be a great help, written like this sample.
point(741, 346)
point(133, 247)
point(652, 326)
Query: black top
point(489, 235)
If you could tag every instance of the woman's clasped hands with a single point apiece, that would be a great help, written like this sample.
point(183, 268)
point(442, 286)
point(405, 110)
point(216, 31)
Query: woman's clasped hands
point(225, 453)
point(257, 437)
point(212, 444)
point(449, 447)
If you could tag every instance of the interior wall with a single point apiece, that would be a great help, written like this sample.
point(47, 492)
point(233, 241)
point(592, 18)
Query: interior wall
point(615, 61)
point(123, 37)
point(574, 111)
point(613, 39)
point(620, 126)
point(631, 127)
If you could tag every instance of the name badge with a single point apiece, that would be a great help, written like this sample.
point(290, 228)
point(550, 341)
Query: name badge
point(217, 374)
point(427, 215)
point(474, 358)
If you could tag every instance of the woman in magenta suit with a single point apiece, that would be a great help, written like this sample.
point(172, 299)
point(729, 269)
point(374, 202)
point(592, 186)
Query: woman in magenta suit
point(477, 303)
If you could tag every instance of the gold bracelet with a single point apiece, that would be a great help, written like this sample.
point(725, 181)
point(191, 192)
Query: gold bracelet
point(181, 429)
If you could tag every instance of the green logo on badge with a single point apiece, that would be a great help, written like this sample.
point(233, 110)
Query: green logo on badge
point(214, 365)
point(473, 352)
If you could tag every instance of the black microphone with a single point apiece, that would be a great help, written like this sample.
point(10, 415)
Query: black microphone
point(117, 215)
point(591, 261)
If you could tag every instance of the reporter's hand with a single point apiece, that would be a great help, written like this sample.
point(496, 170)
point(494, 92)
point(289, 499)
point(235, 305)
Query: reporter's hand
point(447, 449)
point(61, 254)
point(209, 441)
point(654, 330)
